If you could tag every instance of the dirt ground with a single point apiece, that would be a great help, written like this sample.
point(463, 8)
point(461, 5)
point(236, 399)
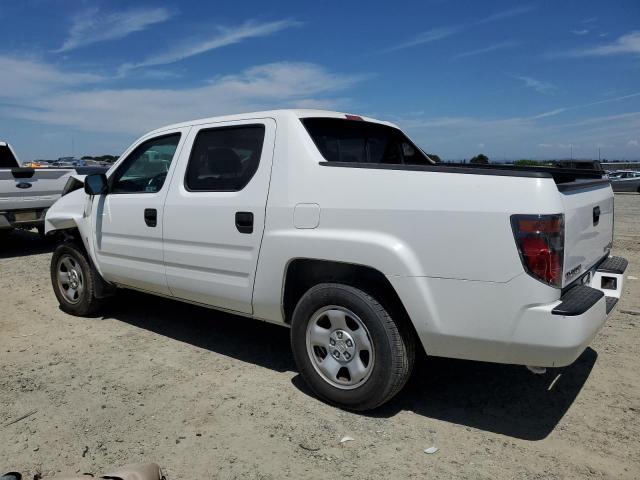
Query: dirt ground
point(209, 395)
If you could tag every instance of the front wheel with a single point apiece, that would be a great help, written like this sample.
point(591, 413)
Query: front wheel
point(73, 280)
point(348, 348)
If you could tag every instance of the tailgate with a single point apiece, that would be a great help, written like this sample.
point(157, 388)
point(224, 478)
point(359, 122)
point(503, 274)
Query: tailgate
point(588, 227)
point(21, 189)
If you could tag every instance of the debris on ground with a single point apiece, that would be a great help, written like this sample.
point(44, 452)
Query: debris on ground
point(26, 415)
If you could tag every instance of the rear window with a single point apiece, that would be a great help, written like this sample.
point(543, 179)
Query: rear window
point(7, 160)
point(356, 141)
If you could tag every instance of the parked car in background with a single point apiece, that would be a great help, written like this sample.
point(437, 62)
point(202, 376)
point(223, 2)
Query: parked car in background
point(340, 227)
point(625, 181)
point(26, 192)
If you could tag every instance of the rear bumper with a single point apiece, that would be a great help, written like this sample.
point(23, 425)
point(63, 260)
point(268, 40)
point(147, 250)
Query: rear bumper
point(27, 218)
point(564, 332)
point(504, 323)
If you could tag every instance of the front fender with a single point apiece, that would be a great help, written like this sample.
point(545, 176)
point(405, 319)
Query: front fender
point(67, 212)
point(70, 212)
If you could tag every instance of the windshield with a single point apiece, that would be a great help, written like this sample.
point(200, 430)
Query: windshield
point(356, 141)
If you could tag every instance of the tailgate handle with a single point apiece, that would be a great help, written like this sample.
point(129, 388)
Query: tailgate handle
point(596, 216)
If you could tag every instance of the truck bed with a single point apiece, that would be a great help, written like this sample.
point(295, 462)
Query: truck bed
point(562, 176)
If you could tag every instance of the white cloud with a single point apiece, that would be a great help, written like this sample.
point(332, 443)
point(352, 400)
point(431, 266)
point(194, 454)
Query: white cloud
point(550, 113)
point(489, 49)
point(558, 111)
point(537, 85)
point(425, 37)
point(513, 12)
point(24, 79)
point(626, 44)
point(632, 143)
point(580, 32)
point(521, 137)
point(435, 34)
point(93, 26)
point(225, 36)
point(132, 111)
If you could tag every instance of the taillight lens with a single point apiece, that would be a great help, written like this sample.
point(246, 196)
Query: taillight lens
point(540, 242)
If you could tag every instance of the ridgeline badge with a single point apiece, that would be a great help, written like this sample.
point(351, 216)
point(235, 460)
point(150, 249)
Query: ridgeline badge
point(573, 272)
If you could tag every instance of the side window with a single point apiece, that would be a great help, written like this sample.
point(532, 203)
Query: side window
point(145, 169)
point(224, 159)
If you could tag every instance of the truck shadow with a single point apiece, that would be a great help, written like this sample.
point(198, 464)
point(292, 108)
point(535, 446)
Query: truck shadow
point(244, 339)
point(22, 243)
point(503, 399)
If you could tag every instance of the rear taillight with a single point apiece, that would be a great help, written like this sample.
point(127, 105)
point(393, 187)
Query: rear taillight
point(540, 242)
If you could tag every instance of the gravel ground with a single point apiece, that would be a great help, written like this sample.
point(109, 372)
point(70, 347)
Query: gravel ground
point(209, 395)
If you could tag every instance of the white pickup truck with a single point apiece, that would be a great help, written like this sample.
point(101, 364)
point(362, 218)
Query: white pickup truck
point(27, 193)
point(340, 227)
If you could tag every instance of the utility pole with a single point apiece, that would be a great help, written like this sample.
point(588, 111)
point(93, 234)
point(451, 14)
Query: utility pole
point(572, 151)
point(598, 153)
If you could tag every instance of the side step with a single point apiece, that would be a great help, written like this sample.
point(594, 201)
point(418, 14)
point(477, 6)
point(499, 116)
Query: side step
point(615, 265)
point(577, 301)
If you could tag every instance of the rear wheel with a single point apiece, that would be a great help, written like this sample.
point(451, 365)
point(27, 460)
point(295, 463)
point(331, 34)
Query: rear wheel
point(348, 348)
point(73, 280)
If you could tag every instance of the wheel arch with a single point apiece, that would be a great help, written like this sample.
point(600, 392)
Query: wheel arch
point(303, 273)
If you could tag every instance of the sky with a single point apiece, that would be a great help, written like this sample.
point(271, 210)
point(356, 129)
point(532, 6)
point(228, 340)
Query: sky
point(511, 79)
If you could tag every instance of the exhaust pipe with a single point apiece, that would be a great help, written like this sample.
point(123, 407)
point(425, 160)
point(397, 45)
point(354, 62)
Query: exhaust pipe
point(537, 370)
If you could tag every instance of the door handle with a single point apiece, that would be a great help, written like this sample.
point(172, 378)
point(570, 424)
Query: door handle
point(244, 222)
point(150, 217)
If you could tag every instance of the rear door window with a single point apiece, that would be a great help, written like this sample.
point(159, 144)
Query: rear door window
point(224, 159)
point(355, 141)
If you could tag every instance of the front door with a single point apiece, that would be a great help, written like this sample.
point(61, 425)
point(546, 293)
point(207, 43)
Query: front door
point(128, 225)
point(215, 212)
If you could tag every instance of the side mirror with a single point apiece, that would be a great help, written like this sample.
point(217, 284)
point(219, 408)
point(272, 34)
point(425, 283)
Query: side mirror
point(95, 184)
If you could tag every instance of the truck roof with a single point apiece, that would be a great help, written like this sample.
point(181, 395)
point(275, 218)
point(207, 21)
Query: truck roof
point(276, 114)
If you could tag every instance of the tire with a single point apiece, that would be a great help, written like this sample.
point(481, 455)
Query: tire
point(326, 315)
point(84, 278)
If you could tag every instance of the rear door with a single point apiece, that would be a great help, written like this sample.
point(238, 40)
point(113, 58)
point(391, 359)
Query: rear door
point(128, 220)
point(215, 213)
